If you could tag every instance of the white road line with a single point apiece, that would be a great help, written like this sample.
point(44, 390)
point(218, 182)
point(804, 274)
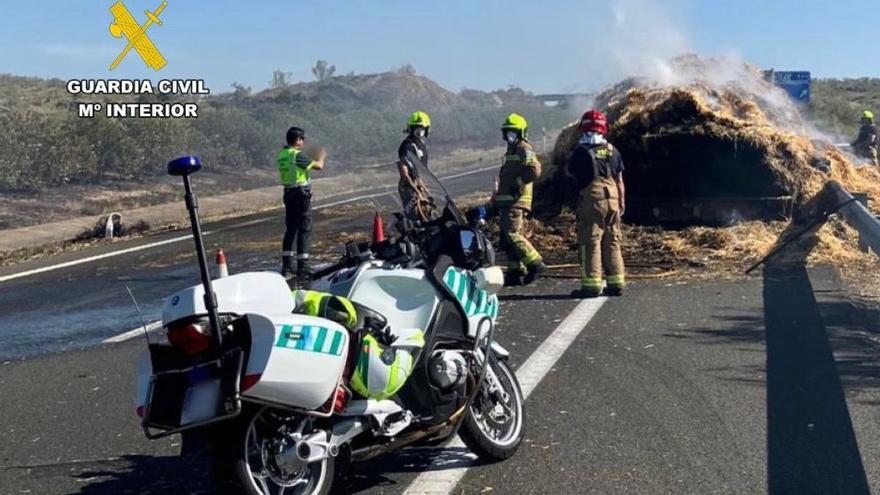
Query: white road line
point(471, 172)
point(134, 332)
point(351, 200)
point(92, 258)
point(438, 481)
point(151, 245)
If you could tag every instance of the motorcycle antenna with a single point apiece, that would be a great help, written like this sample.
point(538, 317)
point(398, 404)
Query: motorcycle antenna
point(183, 167)
point(140, 313)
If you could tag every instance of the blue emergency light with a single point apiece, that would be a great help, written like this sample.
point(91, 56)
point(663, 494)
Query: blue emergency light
point(184, 165)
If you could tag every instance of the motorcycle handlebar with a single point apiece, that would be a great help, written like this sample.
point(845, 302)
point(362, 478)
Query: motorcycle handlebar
point(344, 263)
point(399, 251)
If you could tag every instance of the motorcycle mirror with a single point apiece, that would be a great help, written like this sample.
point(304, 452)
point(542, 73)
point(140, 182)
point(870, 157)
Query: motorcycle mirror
point(184, 165)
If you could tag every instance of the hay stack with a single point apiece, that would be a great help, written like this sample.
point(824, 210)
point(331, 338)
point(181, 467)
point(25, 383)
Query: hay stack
point(716, 130)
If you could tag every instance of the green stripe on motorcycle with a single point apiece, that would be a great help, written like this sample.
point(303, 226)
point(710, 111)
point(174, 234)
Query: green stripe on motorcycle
point(468, 300)
point(462, 291)
point(309, 339)
point(319, 340)
point(301, 343)
point(479, 303)
point(450, 277)
point(284, 336)
point(335, 345)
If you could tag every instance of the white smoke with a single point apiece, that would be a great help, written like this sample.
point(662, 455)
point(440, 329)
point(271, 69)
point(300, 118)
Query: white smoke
point(639, 41)
point(646, 40)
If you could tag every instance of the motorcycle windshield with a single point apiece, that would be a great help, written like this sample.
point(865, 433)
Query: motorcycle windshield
point(442, 200)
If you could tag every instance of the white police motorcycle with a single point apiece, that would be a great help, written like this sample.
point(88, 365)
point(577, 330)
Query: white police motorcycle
point(266, 393)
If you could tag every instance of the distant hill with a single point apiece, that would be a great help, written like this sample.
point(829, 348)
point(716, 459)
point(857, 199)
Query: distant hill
point(358, 118)
point(837, 104)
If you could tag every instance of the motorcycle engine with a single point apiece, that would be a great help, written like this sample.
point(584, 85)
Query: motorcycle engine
point(447, 369)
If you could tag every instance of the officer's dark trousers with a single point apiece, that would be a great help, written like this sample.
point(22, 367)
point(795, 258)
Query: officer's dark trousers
point(298, 219)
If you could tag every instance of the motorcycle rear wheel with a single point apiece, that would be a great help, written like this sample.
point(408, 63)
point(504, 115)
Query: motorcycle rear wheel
point(493, 427)
point(241, 468)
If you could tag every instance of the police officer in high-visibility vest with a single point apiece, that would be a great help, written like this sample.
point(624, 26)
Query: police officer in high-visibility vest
point(412, 153)
point(513, 202)
point(295, 167)
point(597, 169)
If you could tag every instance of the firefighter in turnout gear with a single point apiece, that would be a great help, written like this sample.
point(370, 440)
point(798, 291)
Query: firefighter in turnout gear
point(417, 202)
point(513, 202)
point(597, 169)
point(866, 144)
point(295, 167)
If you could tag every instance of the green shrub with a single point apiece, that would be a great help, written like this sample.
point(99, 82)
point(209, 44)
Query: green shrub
point(359, 119)
point(837, 104)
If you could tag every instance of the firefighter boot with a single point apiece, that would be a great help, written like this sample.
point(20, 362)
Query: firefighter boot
point(513, 278)
point(585, 293)
point(614, 290)
point(303, 271)
point(287, 267)
point(534, 271)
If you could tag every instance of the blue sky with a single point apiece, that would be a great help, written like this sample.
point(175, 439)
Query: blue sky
point(547, 46)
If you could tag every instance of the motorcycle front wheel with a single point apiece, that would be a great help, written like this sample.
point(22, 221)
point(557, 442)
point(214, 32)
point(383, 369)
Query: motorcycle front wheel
point(250, 465)
point(493, 426)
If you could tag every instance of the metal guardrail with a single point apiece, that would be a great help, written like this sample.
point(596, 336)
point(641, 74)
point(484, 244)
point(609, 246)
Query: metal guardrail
point(857, 215)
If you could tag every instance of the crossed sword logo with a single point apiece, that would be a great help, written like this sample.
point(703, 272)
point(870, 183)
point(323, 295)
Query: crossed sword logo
point(125, 24)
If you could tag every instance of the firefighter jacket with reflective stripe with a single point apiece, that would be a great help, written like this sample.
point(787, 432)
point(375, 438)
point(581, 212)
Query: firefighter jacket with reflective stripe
point(518, 173)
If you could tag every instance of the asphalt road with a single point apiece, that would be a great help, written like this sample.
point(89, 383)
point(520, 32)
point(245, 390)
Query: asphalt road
point(83, 304)
point(767, 384)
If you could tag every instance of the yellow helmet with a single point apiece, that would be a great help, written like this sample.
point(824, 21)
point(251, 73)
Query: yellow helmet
point(419, 118)
point(868, 115)
point(516, 122)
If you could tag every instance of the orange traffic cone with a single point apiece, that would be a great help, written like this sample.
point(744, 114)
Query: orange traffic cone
point(378, 229)
point(222, 268)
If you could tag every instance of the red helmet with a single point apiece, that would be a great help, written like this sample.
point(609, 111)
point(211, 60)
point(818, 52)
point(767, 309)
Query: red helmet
point(594, 121)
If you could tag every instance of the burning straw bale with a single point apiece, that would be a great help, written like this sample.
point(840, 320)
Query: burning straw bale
point(716, 129)
point(709, 136)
